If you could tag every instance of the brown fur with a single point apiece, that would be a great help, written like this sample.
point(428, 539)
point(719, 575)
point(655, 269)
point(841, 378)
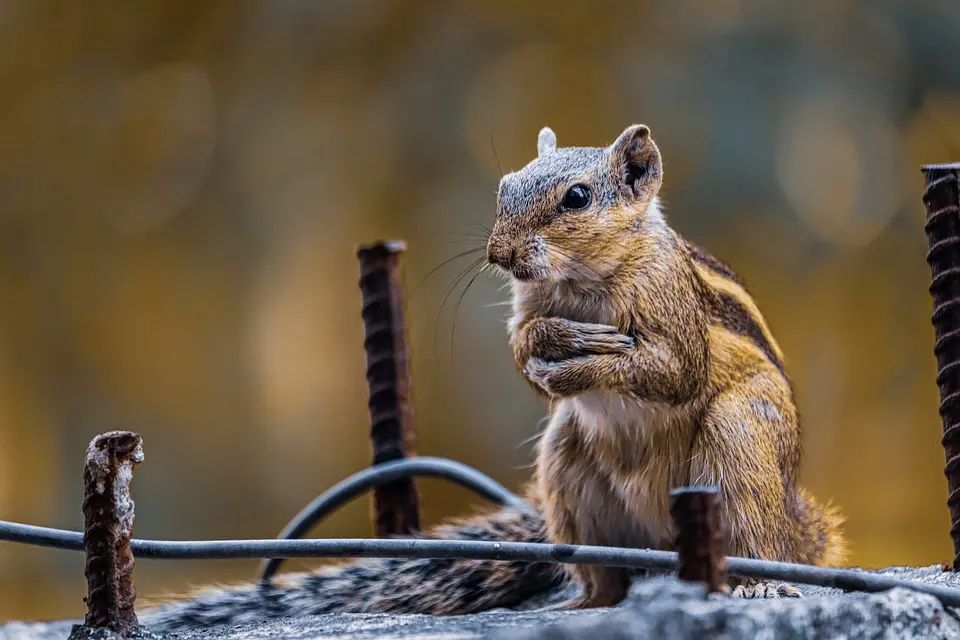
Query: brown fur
point(660, 371)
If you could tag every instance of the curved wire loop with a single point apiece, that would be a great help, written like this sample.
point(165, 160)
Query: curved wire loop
point(362, 481)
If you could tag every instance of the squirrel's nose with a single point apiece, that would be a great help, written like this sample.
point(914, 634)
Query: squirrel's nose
point(503, 257)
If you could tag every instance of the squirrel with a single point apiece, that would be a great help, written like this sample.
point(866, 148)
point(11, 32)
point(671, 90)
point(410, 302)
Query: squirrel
point(659, 371)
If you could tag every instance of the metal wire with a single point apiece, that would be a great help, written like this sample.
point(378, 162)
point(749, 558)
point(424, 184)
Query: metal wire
point(362, 481)
point(846, 579)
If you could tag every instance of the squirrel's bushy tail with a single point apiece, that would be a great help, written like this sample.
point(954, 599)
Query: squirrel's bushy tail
point(392, 585)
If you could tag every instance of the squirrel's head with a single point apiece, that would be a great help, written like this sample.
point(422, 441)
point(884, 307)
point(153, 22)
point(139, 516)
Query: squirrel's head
point(572, 211)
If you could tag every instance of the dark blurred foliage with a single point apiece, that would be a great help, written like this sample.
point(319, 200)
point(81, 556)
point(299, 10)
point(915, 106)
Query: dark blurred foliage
point(182, 185)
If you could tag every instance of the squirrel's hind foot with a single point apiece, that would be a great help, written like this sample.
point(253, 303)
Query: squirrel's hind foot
point(766, 591)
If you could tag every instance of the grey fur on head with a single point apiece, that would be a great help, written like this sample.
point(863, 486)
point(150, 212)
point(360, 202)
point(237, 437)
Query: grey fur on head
point(546, 142)
point(628, 169)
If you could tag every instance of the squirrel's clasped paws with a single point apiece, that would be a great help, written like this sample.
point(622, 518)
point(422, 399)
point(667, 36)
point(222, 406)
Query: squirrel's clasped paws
point(568, 357)
point(558, 339)
point(766, 590)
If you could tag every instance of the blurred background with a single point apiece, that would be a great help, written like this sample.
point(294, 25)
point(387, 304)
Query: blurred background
point(182, 185)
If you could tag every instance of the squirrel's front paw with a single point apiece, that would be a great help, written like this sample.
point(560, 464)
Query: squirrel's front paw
point(558, 339)
point(589, 339)
point(563, 379)
point(766, 590)
point(539, 371)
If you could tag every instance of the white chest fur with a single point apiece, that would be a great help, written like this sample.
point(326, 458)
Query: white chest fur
point(640, 459)
point(607, 411)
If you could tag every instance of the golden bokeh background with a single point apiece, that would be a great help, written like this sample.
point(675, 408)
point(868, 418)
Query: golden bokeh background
point(182, 185)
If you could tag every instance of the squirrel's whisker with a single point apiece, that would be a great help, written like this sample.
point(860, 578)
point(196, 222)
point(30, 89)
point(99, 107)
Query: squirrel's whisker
point(591, 274)
point(462, 254)
point(456, 309)
point(446, 296)
point(495, 158)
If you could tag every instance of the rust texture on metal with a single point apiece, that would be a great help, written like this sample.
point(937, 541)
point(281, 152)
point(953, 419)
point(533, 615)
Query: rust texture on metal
point(107, 529)
point(699, 536)
point(396, 505)
point(942, 200)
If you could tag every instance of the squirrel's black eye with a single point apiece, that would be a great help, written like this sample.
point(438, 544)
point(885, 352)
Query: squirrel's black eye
point(577, 197)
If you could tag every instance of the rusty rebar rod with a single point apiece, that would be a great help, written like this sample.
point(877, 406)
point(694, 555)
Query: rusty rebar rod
point(942, 200)
point(108, 512)
point(699, 537)
point(396, 505)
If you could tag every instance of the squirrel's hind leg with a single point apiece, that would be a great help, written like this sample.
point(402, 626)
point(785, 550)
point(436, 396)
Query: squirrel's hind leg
point(580, 508)
point(602, 587)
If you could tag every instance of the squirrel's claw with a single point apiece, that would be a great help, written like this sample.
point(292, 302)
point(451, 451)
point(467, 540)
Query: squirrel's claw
point(600, 338)
point(766, 590)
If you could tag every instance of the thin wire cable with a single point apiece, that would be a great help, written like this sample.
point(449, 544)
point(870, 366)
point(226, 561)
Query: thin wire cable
point(845, 579)
point(362, 481)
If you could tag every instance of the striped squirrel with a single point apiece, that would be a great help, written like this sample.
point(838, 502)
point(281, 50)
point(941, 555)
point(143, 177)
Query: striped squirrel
point(659, 371)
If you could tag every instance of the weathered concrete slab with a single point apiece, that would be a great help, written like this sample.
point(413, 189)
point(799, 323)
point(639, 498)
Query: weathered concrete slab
point(656, 608)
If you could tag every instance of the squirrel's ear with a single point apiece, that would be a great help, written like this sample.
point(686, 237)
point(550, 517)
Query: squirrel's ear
point(635, 157)
point(546, 142)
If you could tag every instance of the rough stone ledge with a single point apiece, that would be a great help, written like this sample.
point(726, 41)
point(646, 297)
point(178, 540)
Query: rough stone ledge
point(659, 607)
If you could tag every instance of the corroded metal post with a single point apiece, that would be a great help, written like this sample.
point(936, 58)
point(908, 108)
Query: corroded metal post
point(942, 200)
point(107, 530)
point(397, 508)
point(699, 539)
